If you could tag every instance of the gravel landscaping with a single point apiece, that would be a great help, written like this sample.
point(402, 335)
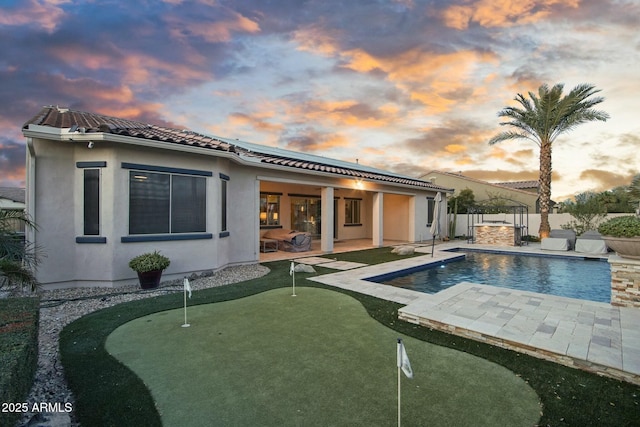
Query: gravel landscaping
point(61, 307)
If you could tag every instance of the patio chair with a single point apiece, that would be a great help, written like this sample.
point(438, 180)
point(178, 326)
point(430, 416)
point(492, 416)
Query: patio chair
point(591, 242)
point(559, 240)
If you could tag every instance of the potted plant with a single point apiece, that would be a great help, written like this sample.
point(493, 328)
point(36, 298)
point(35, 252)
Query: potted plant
point(149, 267)
point(622, 234)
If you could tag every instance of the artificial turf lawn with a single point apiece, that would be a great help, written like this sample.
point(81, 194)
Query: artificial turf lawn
point(108, 394)
point(314, 359)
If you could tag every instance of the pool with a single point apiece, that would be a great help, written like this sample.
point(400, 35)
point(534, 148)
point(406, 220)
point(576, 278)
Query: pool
point(588, 279)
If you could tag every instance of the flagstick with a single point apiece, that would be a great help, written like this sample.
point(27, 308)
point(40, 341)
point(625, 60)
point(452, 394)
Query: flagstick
point(185, 325)
point(293, 274)
point(399, 382)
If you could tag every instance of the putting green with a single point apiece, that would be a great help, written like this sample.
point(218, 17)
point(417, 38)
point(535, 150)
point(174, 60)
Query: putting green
point(315, 359)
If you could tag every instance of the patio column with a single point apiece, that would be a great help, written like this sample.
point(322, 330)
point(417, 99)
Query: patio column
point(378, 220)
point(413, 237)
point(326, 227)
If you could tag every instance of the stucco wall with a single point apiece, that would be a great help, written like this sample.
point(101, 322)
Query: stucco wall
point(59, 214)
point(59, 208)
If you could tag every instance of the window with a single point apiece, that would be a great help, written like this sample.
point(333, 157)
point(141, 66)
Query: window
point(431, 203)
point(224, 180)
point(90, 181)
point(269, 210)
point(352, 211)
point(91, 202)
point(163, 203)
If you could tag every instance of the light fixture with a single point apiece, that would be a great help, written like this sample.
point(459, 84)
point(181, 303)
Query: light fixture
point(263, 216)
point(90, 144)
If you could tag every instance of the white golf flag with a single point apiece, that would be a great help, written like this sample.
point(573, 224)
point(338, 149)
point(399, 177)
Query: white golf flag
point(187, 286)
point(291, 269)
point(403, 360)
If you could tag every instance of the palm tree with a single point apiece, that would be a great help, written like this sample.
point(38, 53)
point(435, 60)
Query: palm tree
point(542, 119)
point(18, 258)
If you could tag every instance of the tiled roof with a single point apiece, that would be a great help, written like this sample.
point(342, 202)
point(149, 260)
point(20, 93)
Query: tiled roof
point(87, 122)
point(519, 185)
point(14, 194)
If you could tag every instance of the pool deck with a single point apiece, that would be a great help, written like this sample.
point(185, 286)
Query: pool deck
point(592, 336)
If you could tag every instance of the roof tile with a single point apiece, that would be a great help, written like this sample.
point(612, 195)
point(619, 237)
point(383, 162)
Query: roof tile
point(91, 122)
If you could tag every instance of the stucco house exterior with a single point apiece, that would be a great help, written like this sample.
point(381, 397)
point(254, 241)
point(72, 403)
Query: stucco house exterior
point(516, 193)
point(103, 190)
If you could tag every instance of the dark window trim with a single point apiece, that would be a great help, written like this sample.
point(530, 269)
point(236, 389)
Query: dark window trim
point(269, 193)
point(225, 177)
point(92, 208)
point(86, 239)
point(353, 198)
point(353, 225)
point(164, 237)
point(430, 200)
point(224, 234)
point(224, 199)
point(84, 165)
point(165, 169)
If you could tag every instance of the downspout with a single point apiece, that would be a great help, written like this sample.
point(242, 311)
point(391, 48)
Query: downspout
point(30, 189)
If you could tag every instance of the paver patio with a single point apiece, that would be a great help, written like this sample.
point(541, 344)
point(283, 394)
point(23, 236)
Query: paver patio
point(588, 335)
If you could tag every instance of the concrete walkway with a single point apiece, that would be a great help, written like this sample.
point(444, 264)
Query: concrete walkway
point(587, 335)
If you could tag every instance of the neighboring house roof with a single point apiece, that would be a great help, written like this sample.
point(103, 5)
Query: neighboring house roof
point(519, 185)
point(87, 123)
point(459, 175)
point(14, 194)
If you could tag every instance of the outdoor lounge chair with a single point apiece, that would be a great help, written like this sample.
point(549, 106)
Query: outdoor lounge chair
point(591, 242)
point(559, 240)
point(290, 240)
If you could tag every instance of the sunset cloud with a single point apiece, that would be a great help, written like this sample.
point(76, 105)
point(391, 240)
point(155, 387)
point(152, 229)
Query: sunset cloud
point(502, 13)
point(406, 85)
point(43, 14)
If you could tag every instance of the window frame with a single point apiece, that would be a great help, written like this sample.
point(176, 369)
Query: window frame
point(199, 232)
point(352, 212)
point(270, 212)
point(224, 191)
point(92, 235)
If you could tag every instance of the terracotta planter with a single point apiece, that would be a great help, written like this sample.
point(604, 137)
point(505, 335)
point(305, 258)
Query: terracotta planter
point(150, 279)
point(626, 247)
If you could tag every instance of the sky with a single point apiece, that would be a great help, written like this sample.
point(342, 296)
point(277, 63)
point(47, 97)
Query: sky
point(404, 85)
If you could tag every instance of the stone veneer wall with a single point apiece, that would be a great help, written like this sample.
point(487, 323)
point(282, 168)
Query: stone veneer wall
point(495, 235)
point(625, 281)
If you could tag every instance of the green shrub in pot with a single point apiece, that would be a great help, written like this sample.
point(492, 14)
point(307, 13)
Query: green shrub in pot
point(622, 234)
point(151, 261)
point(622, 226)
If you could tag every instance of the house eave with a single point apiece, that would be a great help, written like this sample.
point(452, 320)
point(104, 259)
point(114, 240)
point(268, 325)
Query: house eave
point(63, 135)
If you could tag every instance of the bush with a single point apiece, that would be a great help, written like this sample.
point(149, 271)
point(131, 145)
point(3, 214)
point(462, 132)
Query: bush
point(18, 351)
point(149, 262)
point(622, 226)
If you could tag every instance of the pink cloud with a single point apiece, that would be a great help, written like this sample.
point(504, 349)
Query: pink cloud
point(45, 14)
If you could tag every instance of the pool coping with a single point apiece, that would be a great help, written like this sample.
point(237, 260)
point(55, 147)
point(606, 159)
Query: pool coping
point(588, 335)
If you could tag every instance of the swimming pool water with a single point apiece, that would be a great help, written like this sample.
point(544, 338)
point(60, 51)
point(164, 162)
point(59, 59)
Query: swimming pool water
point(573, 278)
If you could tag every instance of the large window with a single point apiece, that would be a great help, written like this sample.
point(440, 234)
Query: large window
point(352, 211)
point(269, 210)
point(163, 203)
